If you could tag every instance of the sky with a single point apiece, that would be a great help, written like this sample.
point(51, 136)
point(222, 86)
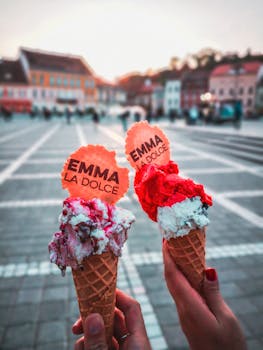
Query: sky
point(120, 36)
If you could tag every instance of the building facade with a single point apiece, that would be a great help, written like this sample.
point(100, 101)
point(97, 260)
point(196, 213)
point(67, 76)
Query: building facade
point(172, 96)
point(157, 99)
point(14, 87)
point(108, 95)
point(195, 83)
point(236, 82)
point(58, 81)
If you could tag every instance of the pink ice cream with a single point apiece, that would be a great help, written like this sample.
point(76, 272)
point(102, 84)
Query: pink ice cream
point(88, 227)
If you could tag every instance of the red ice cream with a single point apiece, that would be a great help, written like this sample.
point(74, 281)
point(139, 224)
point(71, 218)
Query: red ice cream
point(160, 186)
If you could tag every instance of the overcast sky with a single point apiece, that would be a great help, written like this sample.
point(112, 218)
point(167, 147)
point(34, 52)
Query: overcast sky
point(119, 36)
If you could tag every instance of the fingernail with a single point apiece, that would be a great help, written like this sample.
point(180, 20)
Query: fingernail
point(94, 325)
point(211, 274)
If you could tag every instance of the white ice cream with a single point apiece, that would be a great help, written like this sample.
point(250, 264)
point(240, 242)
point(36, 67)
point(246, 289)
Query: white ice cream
point(182, 217)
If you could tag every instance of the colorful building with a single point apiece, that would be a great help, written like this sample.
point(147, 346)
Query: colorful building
point(172, 97)
point(236, 82)
point(108, 95)
point(58, 80)
point(195, 83)
point(14, 87)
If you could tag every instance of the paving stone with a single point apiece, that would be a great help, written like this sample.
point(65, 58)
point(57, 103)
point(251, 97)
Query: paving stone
point(7, 297)
point(5, 315)
point(24, 313)
point(55, 293)
point(33, 282)
point(229, 290)
point(258, 302)
point(175, 338)
point(29, 295)
point(255, 344)
point(241, 306)
point(167, 315)
point(51, 332)
point(53, 346)
point(15, 335)
point(53, 310)
point(11, 283)
point(254, 322)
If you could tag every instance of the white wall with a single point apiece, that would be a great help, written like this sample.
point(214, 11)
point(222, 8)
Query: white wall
point(172, 96)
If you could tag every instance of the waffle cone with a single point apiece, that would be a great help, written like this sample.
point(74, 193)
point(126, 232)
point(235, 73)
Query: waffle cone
point(95, 286)
point(188, 252)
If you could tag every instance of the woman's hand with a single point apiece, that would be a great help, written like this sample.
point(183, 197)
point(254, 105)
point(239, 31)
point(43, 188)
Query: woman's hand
point(207, 321)
point(129, 328)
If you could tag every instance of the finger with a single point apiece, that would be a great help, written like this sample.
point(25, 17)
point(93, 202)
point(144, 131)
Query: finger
point(77, 327)
point(132, 313)
point(189, 303)
point(120, 328)
point(79, 344)
point(115, 344)
point(94, 333)
point(212, 294)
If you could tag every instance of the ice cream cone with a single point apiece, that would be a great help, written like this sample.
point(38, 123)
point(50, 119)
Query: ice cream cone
point(188, 252)
point(95, 285)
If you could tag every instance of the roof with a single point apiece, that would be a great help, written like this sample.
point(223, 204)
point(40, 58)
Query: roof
point(12, 72)
point(103, 82)
point(44, 60)
point(228, 69)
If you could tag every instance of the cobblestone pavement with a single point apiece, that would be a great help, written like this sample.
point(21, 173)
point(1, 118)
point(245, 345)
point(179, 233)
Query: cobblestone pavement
point(38, 306)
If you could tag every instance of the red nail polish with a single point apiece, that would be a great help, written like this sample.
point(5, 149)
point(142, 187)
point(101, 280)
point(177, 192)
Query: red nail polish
point(211, 274)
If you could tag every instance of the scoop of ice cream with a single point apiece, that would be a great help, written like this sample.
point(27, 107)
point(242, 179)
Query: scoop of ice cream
point(88, 227)
point(182, 217)
point(161, 186)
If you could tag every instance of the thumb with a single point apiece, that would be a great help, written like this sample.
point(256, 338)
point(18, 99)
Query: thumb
point(212, 294)
point(94, 333)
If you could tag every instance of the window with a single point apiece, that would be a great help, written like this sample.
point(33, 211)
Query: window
point(21, 93)
point(65, 82)
point(249, 102)
point(231, 92)
point(51, 80)
point(72, 82)
point(213, 91)
point(51, 93)
point(250, 90)
point(41, 79)
point(91, 83)
point(176, 89)
point(175, 102)
point(221, 92)
point(241, 91)
point(170, 102)
point(58, 81)
point(1, 92)
point(86, 83)
point(35, 93)
point(78, 83)
point(43, 93)
point(10, 93)
point(34, 79)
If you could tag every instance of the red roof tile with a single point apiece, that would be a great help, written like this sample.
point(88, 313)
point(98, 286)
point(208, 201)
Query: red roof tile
point(12, 72)
point(246, 68)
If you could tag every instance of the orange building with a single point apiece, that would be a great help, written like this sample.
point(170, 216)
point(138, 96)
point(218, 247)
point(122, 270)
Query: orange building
point(58, 80)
